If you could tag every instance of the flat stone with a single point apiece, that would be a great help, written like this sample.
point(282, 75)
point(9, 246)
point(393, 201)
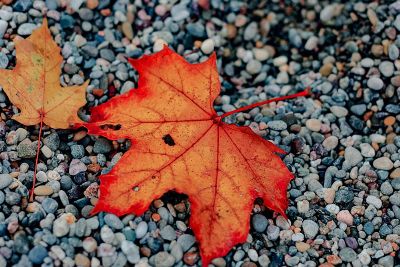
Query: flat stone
point(383, 163)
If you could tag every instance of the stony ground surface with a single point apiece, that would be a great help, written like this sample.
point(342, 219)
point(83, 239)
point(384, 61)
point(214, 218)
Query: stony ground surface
point(341, 141)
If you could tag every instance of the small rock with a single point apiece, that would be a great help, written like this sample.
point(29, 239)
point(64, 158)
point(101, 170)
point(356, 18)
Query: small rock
point(168, 233)
point(207, 46)
point(186, 241)
point(383, 163)
point(352, 156)
point(5, 180)
point(141, 230)
point(259, 223)
point(37, 254)
point(345, 216)
point(310, 228)
point(347, 254)
point(163, 259)
point(26, 28)
point(373, 200)
point(313, 125)
point(375, 83)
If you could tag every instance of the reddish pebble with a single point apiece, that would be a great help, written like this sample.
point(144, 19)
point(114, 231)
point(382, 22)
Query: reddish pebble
point(145, 251)
point(334, 259)
point(161, 10)
point(190, 258)
point(98, 92)
point(344, 216)
point(105, 12)
point(180, 207)
point(93, 167)
point(156, 217)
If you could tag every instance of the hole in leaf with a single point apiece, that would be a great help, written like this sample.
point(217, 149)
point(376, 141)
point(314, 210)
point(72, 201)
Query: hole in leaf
point(136, 188)
point(115, 127)
point(168, 140)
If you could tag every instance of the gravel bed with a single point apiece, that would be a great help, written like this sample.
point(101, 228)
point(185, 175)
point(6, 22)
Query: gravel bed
point(343, 142)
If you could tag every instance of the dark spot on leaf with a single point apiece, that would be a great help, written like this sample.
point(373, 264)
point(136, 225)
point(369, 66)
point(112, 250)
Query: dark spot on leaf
point(168, 140)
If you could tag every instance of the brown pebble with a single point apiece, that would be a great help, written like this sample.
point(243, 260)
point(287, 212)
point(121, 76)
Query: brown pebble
point(82, 260)
point(127, 30)
point(377, 50)
point(145, 251)
point(190, 258)
point(389, 121)
point(158, 203)
point(395, 174)
point(92, 4)
point(98, 92)
point(43, 190)
point(79, 135)
point(155, 217)
point(231, 31)
point(326, 69)
point(395, 81)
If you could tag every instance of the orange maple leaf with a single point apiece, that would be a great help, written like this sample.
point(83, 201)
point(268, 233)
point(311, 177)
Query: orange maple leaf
point(34, 87)
point(180, 143)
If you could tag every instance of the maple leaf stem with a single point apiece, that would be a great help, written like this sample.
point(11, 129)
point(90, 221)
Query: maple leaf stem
point(32, 193)
point(306, 92)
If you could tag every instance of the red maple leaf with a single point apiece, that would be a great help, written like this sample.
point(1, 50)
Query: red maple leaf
point(180, 143)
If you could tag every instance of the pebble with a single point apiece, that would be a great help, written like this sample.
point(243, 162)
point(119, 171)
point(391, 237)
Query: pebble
point(186, 241)
point(102, 146)
point(277, 125)
point(26, 28)
point(60, 227)
point(339, 112)
point(253, 67)
point(259, 223)
point(3, 28)
point(373, 200)
point(367, 150)
point(375, 83)
point(313, 125)
point(49, 205)
point(5, 180)
point(347, 254)
point(330, 143)
point(3, 59)
point(37, 254)
point(310, 229)
point(352, 156)
point(272, 232)
point(76, 166)
point(168, 233)
point(383, 163)
point(386, 68)
point(106, 234)
point(141, 230)
point(43, 190)
point(163, 259)
point(207, 46)
point(345, 216)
